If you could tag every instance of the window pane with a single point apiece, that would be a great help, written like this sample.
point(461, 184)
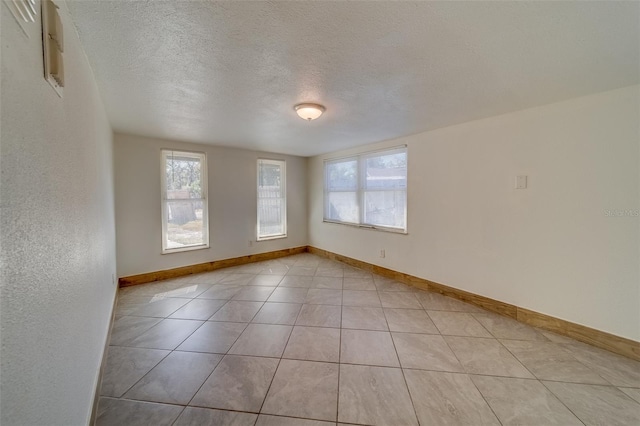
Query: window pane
point(183, 175)
point(272, 206)
point(385, 208)
point(342, 206)
point(185, 226)
point(270, 216)
point(342, 175)
point(388, 171)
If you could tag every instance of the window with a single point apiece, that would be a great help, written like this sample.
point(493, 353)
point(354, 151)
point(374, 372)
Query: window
point(368, 190)
point(272, 200)
point(184, 201)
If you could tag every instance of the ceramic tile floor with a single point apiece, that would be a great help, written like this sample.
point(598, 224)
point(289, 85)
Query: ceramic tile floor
point(304, 340)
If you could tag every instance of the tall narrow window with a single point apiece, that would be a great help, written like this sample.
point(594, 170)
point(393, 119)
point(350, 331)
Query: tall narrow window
point(272, 200)
point(184, 201)
point(368, 190)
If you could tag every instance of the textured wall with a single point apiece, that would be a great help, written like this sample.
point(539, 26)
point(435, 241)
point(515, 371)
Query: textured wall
point(232, 204)
point(567, 246)
point(57, 227)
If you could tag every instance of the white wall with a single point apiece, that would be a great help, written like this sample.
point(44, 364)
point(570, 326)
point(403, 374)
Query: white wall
point(57, 228)
point(550, 248)
point(232, 204)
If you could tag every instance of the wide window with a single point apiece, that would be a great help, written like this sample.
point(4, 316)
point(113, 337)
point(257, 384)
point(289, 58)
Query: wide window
point(184, 201)
point(368, 190)
point(272, 200)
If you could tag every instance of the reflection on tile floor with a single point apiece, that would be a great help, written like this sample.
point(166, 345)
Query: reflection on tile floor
point(303, 340)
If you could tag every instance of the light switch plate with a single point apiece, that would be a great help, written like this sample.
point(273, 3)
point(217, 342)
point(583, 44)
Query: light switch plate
point(521, 182)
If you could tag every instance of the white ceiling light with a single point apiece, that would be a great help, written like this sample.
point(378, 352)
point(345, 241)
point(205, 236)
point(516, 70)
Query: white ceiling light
point(309, 111)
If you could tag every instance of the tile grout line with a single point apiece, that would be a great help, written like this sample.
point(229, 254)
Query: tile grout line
point(277, 366)
point(561, 402)
point(470, 379)
point(415, 412)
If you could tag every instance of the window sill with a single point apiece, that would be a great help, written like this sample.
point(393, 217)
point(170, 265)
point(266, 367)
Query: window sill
point(368, 227)
point(183, 249)
point(275, 237)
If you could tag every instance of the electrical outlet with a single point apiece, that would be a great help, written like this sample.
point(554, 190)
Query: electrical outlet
point(113, 279)
point(382, 253)
point(250, 243)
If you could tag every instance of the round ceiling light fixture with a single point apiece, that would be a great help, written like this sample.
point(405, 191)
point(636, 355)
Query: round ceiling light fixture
point(309, 111)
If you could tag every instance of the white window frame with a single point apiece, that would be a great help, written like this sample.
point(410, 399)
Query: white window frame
point(360, 189)
point(283, 192)
point(164, 155)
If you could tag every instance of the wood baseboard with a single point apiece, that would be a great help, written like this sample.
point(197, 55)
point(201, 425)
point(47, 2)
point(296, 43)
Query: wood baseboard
point(620, 345)
point(206, 267)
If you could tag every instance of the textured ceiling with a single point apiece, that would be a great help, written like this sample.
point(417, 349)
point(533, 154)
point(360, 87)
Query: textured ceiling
point(229, 73)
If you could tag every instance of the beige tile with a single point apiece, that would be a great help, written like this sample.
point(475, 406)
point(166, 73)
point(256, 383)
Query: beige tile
point(549, 361)
point(368, 347)
point(224, 292)
point(213, 337)
point(427, 352)
point(296, 281)
point(458, 324)
point(410, 321)
point(385, 284)
point(314, 344)
point(319, 316)
point(330, 272)
point(148, 289)
point(486, 356)
point(237, 311)
point(361, 298)
point(334, 283)
point(194, 416)
point(506, 397)
point(616, 369)
point(149, 306)
point(597, 405)
point(374, 395)
point(350, 272)
point(187, 290)
point(198, 309)
point(358, 284)
point(254, 293)
point(176, 379)
point(321, 296)
point(206, 277)
point(398, 299)
point(289, 295)
point(118, 412)
point(236, 279)
point(238, 383)
point(266, 280)
point(632, 393)
point(278, 313)
point(125, 366)
point(127, 328)
point(507, 328)
point(302, 270)
point(262, 340)
point(557, 338)
point(364, 318)
point(266, 420)
point(167, 334)
point(275, 270)
point(438, 302)
point(447, 399)
point(304, 389)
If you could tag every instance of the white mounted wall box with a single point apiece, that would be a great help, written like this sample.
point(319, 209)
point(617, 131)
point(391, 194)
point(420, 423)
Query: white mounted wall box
point(53, 44)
